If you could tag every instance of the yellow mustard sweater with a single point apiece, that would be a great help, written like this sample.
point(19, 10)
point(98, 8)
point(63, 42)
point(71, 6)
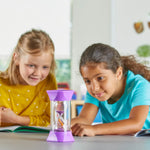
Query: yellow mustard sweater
point(26, 100)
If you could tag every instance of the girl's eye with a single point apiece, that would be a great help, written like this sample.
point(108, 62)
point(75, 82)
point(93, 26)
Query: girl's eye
point(45, 67)
point(87, 81)
point(31, 66)
point(100, 78)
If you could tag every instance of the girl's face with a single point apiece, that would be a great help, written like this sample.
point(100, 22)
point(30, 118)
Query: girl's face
point(34, 68)
point(101, 83)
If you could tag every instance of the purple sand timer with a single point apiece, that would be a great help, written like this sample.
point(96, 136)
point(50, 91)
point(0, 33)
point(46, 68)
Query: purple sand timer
point(60, 115)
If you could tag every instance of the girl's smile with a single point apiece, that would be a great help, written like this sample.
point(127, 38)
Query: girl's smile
point(98, 95)
point(33, 78)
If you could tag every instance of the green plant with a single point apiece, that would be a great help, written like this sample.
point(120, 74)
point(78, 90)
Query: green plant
point(143, 51)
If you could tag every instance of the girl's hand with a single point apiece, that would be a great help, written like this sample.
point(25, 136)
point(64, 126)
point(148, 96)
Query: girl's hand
point(82, 130)
point(8, 116)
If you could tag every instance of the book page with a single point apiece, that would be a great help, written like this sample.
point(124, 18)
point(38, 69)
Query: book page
point(9, 128)
point(24, 129)
point(143, 132)
point(32, 129)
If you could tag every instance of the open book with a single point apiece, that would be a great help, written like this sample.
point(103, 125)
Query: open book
point(144, 132)
point(27, 129)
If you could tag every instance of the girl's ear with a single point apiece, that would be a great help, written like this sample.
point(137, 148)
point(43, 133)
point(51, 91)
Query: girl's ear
point(119, 73)
point(16, 58)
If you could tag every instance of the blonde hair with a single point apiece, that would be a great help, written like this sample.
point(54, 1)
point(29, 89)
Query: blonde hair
point(32, 42)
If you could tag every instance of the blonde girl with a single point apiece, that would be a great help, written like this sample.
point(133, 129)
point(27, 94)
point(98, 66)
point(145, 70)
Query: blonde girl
point(23, 97)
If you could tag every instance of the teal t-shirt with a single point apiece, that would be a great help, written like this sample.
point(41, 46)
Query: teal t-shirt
point(137, 92)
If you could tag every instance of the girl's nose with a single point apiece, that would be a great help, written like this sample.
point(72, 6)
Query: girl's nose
point(95, 86)
point(37, 72)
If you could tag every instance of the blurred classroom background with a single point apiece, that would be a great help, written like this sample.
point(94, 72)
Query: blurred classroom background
point(74, 25)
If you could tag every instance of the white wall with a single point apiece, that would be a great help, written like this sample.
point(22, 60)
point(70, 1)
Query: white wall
point(52, 16)
point(91, 23)
point(124, 14)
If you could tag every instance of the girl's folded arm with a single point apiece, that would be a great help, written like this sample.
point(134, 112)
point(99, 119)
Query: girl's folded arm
point(135, 123)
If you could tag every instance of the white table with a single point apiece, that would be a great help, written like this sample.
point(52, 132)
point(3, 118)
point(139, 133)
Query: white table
point(37, 141)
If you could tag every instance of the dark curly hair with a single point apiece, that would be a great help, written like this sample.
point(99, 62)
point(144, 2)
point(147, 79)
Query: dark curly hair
point(102, 53)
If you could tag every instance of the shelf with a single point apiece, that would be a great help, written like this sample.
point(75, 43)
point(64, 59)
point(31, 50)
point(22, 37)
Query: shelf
point(74, 104)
